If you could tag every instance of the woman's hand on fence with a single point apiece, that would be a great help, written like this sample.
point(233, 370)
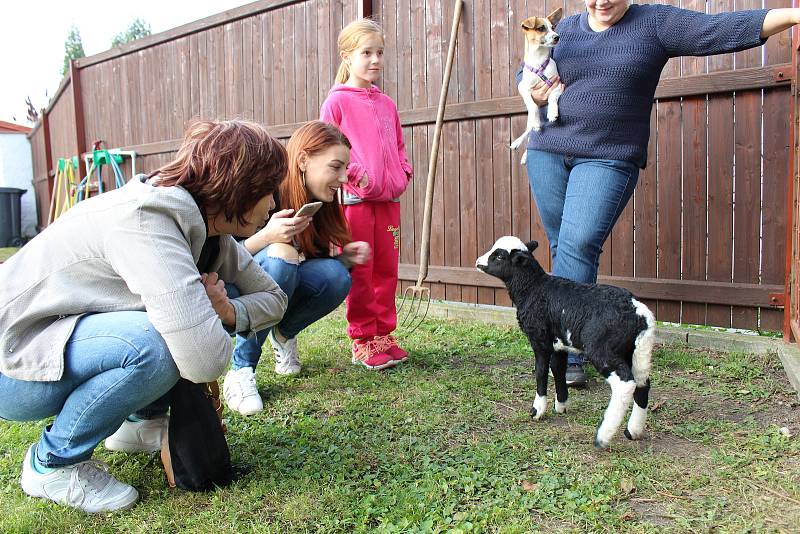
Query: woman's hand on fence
point(215, 289)
point(280, 228)
point(355, 253)
point(541, 92)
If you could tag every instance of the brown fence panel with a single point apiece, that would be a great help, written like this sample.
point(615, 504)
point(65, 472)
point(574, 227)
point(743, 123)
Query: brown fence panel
point(697, 223)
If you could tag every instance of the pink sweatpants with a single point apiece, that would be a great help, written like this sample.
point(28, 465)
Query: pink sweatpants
point(371, 307)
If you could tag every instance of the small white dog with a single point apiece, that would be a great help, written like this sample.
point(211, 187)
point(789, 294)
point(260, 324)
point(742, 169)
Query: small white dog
point(538, 67)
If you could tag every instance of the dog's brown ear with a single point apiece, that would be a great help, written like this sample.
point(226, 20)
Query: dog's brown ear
point(555, 16)
point(529, 23)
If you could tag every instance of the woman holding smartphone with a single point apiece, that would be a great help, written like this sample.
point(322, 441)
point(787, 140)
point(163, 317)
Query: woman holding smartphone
point(294, 248)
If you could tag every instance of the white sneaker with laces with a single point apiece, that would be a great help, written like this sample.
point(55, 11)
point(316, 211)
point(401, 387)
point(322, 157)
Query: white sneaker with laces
point(138, 436)
point(86, 486)
point(287, 361)
point(240, 391)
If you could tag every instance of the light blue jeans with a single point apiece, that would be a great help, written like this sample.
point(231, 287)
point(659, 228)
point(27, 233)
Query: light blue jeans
point(115, 364)
point(314, 288)
point(579, 200)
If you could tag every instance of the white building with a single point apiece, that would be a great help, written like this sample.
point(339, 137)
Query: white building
point(16, 170)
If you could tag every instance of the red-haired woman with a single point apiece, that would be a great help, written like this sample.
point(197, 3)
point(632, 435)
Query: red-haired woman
point(102, 312)
point(295, 252)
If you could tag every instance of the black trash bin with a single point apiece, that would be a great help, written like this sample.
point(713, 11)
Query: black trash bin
point(10, 221)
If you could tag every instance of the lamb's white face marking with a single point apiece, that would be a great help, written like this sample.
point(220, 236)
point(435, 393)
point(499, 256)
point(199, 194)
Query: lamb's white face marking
point(621, 397)
point(508, 243)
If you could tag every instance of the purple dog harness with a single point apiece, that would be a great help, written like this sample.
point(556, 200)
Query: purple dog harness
point(540, 71)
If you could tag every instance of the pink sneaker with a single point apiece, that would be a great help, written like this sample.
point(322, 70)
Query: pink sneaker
point(368, 353)
point(388, 344)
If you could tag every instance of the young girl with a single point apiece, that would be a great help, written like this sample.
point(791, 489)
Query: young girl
point(378, 174)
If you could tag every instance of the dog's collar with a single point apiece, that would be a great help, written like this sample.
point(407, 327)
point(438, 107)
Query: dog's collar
point(540, 71)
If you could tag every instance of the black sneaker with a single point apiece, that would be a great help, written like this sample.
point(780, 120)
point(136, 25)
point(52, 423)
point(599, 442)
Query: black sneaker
point(575, 375)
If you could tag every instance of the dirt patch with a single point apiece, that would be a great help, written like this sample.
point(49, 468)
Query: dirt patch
point(652, 511)
point(671, 445)
point(502, 364)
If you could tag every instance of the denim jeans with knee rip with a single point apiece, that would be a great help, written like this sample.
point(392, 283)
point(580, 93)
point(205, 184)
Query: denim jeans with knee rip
point(579, 200)
point(314, 287)
point(115, 364)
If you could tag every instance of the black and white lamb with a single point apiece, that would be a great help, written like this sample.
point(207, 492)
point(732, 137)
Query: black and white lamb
point(607, 324)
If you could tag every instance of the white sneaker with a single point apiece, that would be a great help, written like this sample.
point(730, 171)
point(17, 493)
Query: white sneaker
point(240, 391)
point(139, 436)
point(85, 485)
point(287, 361)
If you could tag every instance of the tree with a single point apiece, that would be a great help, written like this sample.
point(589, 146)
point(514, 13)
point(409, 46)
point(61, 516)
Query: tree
point(136, 30)
point(73, 48)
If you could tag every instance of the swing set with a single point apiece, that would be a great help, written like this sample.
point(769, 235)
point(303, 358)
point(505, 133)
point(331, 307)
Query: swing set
point(68, 191)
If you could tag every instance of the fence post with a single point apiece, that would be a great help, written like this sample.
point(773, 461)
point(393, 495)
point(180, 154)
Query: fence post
point(791, 275)
point(77, 102)
point(364, 8)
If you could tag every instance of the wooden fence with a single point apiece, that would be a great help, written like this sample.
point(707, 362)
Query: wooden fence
point(703, 241)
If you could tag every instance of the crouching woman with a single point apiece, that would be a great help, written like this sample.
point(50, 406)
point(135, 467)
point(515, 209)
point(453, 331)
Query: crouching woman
point(296, 252)
point(102, 312)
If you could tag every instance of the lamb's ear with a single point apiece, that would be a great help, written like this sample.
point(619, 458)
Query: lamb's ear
point(529, 23)
point(518, 256)
point(531, 245)
point(555, 17)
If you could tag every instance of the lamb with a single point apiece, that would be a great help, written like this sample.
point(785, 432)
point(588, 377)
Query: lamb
point(615, 331)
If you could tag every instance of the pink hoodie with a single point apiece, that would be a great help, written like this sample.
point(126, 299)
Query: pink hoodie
point(370, 121)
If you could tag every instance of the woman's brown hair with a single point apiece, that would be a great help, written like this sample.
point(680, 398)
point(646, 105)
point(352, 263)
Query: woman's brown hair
point(329, 224)
point(227, 166)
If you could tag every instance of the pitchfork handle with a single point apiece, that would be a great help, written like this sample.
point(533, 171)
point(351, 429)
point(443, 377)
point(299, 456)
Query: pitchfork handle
point(425, 249)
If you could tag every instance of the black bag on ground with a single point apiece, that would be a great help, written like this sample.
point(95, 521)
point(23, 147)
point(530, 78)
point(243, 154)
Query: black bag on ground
point(195, 453)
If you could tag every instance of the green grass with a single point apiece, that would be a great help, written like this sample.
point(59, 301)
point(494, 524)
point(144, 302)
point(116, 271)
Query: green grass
point(445, 444)
point(6, 253)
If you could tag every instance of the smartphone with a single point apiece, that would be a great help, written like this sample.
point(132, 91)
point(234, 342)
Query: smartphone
point(307, 210)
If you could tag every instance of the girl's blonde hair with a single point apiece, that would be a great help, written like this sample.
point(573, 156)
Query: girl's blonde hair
point(350, 38)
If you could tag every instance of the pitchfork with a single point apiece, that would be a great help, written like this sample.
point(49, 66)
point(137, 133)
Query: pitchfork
point(418, 296)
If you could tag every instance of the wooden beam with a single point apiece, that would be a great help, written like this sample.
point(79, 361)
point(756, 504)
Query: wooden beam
point(751, 295)
point(80, 127)
point(48, 156)
point(701, 84)
point(364, 9)
point(193, 27)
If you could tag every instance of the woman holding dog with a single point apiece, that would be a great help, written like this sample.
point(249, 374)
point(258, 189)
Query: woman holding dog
point(295, 251)
point(103, 311)
point(583, 168)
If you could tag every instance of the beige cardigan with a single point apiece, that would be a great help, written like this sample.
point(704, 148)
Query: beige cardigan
point(134, 248)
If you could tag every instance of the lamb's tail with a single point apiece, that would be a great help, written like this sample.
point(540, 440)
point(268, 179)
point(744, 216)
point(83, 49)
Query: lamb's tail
point(643, 347)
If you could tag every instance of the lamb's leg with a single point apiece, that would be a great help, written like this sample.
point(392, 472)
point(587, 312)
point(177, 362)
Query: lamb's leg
point(542, 365)
point(621, 397)
point(638, 416)
point(558, 363)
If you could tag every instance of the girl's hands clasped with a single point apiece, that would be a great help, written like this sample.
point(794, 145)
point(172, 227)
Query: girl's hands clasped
point(355, 253)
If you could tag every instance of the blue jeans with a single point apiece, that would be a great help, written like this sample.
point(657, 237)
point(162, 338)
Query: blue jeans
point(579, 200)
point(114, 364)
point(314, 288)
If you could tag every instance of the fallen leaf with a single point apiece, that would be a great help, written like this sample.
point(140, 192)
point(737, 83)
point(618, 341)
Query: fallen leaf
point(334, 370)
point(656, 405)
point(627, 516)
point(529, 486)
point(627, 485)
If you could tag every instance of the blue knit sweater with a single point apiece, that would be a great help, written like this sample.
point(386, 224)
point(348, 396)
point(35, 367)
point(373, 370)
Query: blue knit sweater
point(611, 76)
